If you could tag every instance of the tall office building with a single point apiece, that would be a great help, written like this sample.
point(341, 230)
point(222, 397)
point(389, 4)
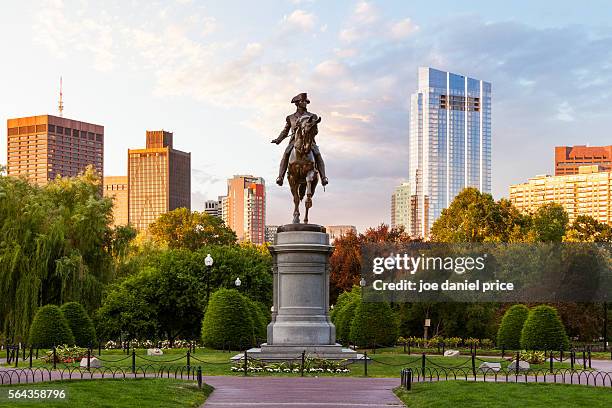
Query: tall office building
point(450, 142)
point(244, 208)
point(587, 193)
point(159, 179)
point(400, 206)
point(569, 158)
point(45, 146)
point(116, 187)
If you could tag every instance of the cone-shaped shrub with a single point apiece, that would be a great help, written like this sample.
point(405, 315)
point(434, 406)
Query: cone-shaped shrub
point(80, 323)
point(50, 328)
point(509, 332)
point(543, 330)
point(228, 321)
point(374, 324)
point(344, 319)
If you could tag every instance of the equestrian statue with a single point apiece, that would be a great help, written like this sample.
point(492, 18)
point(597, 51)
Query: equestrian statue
point(302, 158)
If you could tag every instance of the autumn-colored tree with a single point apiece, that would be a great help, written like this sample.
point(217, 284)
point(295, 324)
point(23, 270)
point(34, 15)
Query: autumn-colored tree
point(346, 259)
point(182, 228)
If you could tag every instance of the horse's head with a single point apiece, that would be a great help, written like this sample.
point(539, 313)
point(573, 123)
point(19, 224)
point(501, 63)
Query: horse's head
point(306, 131)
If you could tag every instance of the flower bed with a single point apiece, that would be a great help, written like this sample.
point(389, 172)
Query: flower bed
point(311, 365)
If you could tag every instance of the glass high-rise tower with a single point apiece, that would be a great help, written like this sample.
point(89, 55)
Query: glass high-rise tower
point(450, 143)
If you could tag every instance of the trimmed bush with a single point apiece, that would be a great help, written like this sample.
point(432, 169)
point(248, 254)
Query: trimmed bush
point(509, 333)
point(374, 324)
point(344, 319)
point(80, 323)
point(260, 322)
point(543, 330)
point(50, 328)
point(228, 321)
point(344, 299)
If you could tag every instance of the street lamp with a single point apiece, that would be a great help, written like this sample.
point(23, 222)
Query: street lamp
point(237, 282)
point(362, 282)
point(208, 262)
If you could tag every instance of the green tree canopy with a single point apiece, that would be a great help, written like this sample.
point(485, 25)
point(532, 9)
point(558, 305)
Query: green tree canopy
point(587, 229)
point(543, 330)
point(475, 217)
point(167, 294)
point(50, 328)
point(182, 228)
point(550, 222)
point(509, 333)
point(80, 323)
point(55, 245)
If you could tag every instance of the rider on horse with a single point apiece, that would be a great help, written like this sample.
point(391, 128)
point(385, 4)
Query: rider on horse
point(300, 101)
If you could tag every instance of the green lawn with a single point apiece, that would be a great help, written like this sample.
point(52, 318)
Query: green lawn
point(497, 395)
point(387, 363)
point(150, 393)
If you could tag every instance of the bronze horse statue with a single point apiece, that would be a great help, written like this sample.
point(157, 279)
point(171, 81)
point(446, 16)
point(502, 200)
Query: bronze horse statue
point(303, 175)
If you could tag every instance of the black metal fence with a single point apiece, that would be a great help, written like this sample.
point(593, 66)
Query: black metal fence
point(558, 376)
point(40, 374)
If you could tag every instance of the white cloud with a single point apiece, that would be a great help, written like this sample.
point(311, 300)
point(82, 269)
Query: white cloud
point(300, 19)
point(565, 112)
point(402, 29)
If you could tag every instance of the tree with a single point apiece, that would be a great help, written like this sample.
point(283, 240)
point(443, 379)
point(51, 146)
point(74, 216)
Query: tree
point(374, 324)
point(549, 223)
point(55, 245)
point(228, 321)
point(80, 324)
point(475, 217)
point(50, 328)
point(166, 294)
point(345, 262)
point(509, 333)
point(182, 228)
point(130, 308)
point(543, 330)
point(587, 229)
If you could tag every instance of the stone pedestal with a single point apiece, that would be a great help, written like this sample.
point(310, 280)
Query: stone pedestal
point(300, 317)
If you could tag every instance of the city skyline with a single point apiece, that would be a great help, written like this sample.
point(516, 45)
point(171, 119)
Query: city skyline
point(194, 69)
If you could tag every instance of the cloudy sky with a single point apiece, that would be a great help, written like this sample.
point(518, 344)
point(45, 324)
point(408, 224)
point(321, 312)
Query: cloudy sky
point(220, 75)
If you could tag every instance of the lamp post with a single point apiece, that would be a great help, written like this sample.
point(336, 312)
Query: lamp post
point(238, 282)
point(362, 282)
point(208, 261)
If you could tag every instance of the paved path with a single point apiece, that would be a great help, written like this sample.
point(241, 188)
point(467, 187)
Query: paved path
point(306, 392)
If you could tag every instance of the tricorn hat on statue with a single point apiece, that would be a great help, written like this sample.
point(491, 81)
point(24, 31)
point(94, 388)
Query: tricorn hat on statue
point(300, 97)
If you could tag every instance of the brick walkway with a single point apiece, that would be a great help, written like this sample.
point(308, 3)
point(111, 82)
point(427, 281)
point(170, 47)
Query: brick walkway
point(307, 392)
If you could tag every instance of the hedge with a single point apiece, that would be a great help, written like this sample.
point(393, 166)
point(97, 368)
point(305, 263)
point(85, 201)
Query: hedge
point(80, 323)
point(50, 328)
point(374, 324)
point(344, 319)
point(509, 333)
point(543, 330)
point(228, 321)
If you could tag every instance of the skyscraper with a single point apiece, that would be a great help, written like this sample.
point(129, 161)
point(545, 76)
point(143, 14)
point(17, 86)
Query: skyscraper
point(42, 147)
point(450, 142)
point(116, 187)
point(159, 179)
point(569, 158)
point(244, 208)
